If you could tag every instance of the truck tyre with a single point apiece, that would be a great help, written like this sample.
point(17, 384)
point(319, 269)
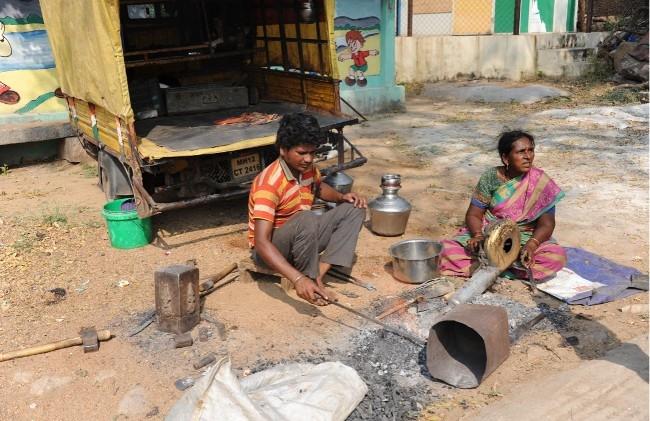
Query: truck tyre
point(113, 178)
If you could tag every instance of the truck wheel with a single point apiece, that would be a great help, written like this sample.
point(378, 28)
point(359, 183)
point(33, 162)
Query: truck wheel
point(112, 177)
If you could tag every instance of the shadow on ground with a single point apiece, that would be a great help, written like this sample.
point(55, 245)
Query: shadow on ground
point(227, 216)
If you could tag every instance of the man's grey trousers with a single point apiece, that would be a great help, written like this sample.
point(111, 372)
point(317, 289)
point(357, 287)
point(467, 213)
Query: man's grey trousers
point(305, 235)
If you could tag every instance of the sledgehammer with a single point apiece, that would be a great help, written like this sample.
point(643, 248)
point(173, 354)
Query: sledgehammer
point(88, 337)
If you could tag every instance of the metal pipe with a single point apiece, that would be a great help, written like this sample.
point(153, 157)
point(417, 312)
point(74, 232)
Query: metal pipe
point(164, 207)
point(409, 28)
point(357, 162)
point(590, 15)
point(517, 18)
point(349, 278)
point(354, 109)
point(477, 284)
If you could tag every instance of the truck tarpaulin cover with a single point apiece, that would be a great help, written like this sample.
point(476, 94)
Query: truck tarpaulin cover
point(85, 39)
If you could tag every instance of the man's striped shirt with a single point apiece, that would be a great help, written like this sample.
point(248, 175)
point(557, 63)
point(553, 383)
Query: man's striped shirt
point(276, 195)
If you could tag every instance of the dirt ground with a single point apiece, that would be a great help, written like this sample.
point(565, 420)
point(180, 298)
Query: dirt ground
point(52, 235)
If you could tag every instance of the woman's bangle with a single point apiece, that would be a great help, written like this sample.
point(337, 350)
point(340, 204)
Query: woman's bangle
point(477, 234)
point(535, 240)
point(299, 277)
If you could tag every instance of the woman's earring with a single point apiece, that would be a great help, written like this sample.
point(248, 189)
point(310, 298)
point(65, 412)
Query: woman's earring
point(507, 167)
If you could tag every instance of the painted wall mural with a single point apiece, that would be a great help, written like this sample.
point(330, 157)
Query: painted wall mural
point(357, 30)
point(28, 81)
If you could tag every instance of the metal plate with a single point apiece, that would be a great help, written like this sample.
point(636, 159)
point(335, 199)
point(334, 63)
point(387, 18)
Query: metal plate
point(246, 165)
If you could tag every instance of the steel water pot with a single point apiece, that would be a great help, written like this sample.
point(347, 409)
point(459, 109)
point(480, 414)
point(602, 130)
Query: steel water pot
point(389, 213)
point(340, 182)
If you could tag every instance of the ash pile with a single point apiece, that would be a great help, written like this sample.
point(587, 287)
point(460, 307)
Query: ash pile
point(394, 368)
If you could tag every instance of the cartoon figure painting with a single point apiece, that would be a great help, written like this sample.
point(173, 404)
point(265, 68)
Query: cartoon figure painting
point(7, 96)
point(357, 32)
point(357, 72)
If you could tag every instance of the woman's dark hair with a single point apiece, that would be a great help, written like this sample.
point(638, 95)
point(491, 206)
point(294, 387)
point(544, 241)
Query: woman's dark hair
point(298, 129)
point(506, 139)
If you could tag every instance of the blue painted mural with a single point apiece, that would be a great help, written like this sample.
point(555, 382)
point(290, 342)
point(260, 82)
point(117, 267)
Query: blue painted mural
point(28, 81)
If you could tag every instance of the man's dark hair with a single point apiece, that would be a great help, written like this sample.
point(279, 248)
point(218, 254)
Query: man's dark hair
point(506, 139)
point(298, 129)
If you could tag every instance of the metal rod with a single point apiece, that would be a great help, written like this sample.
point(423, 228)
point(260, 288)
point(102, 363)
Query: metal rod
point(283, 37)
point(409, 28)
point(266, 38)
point(206, 24)
point(357, 162)
point(590, 15)
point(342, 277)
point(321, 62)
point(398, 18)
point(393, 330)
point(401, 306)
point(366, 285)
point(340, 146)
point(517, 18)
point(354, 109)
point(525, 327)
point(301, 61)
point(293, 39)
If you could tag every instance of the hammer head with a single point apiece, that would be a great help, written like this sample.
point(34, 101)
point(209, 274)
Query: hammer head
point(89, 339)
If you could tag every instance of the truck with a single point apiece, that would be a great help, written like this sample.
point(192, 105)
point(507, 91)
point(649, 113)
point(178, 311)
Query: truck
point(179, 100)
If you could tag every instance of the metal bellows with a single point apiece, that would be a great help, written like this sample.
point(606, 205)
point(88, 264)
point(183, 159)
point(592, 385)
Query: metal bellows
point(467, 344)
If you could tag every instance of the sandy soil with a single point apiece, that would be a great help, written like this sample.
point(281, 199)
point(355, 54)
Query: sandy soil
point(52, 236)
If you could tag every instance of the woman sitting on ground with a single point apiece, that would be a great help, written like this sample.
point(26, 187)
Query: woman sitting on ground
point(519, 192)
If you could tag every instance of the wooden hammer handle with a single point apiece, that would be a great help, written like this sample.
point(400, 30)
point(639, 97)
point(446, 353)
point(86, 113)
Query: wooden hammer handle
point(102, 335)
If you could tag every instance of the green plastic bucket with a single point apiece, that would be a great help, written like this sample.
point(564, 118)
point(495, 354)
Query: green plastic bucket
point(125, 229)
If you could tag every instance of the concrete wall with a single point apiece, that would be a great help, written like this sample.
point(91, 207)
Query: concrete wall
point(513, 57)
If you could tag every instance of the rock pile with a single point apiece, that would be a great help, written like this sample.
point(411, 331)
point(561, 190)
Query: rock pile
point(627, 50)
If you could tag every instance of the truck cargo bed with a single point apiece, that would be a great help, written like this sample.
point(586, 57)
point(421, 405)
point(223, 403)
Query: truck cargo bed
point(199, 131)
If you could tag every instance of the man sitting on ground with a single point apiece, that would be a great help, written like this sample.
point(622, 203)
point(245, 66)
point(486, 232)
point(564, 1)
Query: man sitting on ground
point(283, 232)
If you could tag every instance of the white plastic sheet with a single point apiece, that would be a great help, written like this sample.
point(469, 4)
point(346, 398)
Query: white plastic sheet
point(293, 392)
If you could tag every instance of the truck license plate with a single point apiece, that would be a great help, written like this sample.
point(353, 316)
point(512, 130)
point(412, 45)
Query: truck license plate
point(246, 165)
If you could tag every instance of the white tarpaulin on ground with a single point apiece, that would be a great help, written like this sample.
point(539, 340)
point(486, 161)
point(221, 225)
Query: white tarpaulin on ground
point(293, 392)
point(568, 286)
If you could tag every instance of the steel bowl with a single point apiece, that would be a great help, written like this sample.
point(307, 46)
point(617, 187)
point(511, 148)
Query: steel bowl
point(415, 261)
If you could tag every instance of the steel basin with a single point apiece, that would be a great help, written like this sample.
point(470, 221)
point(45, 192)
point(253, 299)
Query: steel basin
point(415, 261)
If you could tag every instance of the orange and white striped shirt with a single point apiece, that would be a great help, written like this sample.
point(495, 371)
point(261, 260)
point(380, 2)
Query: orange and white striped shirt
point(276, 195)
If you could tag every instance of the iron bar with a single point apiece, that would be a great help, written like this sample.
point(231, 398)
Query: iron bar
point(517, 18)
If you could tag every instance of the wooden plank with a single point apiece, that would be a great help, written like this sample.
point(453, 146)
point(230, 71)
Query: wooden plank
point(321, 94)
point(425, 7)
point(471, 17)
point(106, 124)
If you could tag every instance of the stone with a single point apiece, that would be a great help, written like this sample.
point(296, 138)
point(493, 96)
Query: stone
point(71, 150)
point(620, 53)
point(183, 340)
point(134, 403)
point(633, 69)
point(105, 375)
point(47, 384)
point(23, 377)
